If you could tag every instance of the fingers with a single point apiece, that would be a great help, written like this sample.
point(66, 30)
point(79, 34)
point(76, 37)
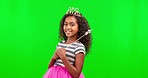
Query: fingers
point(59, 49)
point(61, 52)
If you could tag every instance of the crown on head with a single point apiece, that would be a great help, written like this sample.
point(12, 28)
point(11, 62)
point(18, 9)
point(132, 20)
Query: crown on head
point(74, 11)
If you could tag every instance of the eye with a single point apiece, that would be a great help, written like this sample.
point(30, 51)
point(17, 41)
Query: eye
point(65, 24)
point(72, 24)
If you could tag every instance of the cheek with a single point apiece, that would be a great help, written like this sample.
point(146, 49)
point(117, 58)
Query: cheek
point(64, 28)
point(77, 29)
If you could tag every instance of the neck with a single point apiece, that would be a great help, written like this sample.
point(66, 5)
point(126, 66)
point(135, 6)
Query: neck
point(71, 40)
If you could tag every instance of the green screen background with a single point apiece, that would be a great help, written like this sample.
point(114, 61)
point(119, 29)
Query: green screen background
point(29, 31)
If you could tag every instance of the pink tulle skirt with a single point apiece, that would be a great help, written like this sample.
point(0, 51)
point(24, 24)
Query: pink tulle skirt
point(59, 72)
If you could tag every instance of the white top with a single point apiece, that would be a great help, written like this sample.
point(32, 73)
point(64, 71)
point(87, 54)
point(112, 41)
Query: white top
point(71, 51)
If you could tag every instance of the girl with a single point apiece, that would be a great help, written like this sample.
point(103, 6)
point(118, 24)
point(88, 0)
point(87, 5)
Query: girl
point(68, 59)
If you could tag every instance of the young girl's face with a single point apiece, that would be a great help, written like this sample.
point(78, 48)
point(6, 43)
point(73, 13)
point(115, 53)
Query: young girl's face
point(70, 27)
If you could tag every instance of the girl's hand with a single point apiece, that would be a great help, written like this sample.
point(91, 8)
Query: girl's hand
point(61, 52)
point(55, 56)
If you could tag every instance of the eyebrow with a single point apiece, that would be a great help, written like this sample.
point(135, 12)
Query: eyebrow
point(70, 22)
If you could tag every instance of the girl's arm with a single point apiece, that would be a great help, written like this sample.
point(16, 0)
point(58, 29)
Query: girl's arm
point(53, 60)
point(75, 70)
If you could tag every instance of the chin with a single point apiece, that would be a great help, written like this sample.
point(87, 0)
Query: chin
point(68, 36)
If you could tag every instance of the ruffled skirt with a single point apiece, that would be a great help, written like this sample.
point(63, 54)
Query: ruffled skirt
point(59, 72)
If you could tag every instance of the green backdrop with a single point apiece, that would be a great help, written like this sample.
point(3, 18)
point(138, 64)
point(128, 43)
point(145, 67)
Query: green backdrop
point(29, 34)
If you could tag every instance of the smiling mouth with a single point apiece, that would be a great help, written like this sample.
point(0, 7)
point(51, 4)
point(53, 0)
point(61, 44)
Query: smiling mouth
point(68, 31)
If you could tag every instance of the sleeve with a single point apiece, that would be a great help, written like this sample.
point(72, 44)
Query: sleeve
point(80, 49)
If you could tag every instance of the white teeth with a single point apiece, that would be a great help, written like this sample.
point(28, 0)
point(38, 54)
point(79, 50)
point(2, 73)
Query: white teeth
point(68, 31)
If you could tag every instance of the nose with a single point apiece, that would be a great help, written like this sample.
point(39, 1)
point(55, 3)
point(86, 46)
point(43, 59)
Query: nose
point(68, 27)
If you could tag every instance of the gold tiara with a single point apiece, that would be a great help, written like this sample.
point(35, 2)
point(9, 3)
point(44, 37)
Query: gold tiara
point(74, 11)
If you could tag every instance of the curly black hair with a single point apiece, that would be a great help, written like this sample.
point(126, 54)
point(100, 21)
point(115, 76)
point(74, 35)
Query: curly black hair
point(83, 26)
